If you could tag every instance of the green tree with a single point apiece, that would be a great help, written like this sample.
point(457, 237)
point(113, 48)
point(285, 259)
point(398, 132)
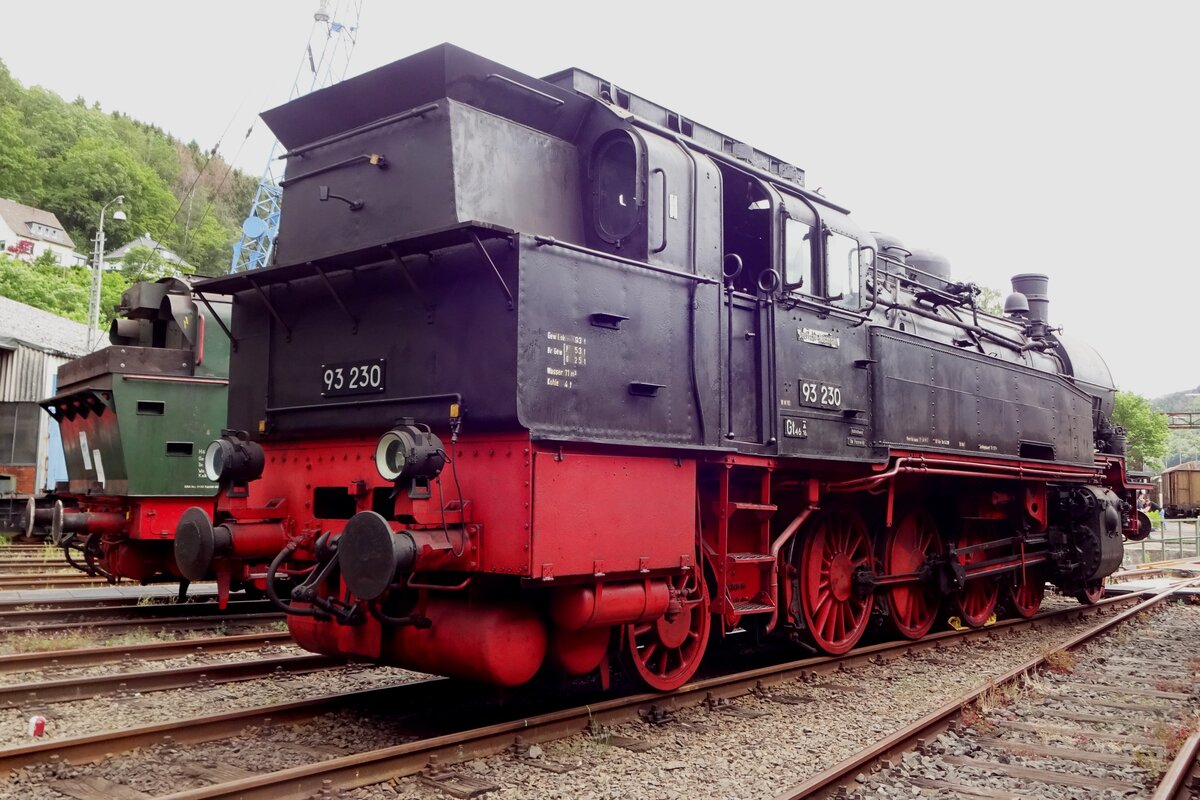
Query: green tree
point(93, 172)
point(21, 171)
point(46, 258)
point(1145, 429)
point(209, 247)
point(988, 300)
point(60, 290)
point(142, 263)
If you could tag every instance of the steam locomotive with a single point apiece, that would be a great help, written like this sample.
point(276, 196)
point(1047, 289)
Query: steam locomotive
point(134, 419)
point(548, 376)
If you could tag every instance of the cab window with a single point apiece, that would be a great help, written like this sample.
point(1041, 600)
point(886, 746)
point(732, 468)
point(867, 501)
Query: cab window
point(844, 256)
point(798, 256)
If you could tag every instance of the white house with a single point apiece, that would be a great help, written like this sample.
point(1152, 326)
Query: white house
point(27, 232)
point(114, 259)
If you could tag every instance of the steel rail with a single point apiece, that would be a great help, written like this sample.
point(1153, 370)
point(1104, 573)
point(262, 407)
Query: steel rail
point(85, 604)
point(152, 651)
point(97, 746)
point(1175, 783)
point(66, 580)
point(158, 623)
point(80, 611)
point(363, 769)
point(824, 783)
point(159, 680)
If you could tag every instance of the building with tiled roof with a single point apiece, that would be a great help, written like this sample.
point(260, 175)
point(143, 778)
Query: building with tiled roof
point(27, 232)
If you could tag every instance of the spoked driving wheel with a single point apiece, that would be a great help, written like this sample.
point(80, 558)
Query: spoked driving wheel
point(1025, 592)
point(665, 653)
point(912, 607)
point(835, 611)
point(1092, 593)
point(977, 601)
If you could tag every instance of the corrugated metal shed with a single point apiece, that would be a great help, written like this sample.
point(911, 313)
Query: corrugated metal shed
point(33, 343)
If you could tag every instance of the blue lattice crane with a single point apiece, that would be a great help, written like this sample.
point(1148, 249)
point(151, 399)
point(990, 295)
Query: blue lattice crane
point(325, 62)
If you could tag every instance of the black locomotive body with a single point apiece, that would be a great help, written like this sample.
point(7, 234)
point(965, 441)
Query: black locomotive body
point(635, 383)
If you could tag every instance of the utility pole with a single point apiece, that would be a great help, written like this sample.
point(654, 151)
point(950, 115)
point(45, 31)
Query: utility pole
point(98, 273)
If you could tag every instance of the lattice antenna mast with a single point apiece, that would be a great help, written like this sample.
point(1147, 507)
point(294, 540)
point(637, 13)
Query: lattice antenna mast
point(325, 62)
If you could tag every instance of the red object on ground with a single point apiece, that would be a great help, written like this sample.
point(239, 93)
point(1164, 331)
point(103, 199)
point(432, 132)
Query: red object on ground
point(37, 726)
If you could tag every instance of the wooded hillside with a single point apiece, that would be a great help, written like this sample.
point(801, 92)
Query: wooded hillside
point(71, 158)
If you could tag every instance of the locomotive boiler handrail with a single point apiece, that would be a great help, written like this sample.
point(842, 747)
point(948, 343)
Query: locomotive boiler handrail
point(550, 241)
point(923, 465)
point(419, 111)
point(418, 398)
point(982, 333)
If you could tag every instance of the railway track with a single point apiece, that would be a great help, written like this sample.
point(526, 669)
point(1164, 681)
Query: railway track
point(32, 561)
point(199, 676)
point(979, 745)
point(55, 660)
point(39, 580)
point(454, 745)
point(115, 616)
point(1182, 780)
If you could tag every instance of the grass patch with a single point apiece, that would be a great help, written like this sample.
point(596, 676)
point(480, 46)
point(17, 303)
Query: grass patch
point(1062, 661)
point(41, 642)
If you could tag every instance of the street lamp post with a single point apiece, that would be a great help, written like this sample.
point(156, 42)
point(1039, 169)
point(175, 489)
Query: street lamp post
point(98, 272)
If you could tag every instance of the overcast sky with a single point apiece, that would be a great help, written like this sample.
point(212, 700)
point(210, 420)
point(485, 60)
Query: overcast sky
point(1055, 137)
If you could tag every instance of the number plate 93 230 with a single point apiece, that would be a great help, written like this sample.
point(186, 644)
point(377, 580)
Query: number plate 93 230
point(816, 394)
point(353, 377)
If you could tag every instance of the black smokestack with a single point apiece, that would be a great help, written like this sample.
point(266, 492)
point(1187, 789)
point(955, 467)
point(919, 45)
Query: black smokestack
point(1033, 286)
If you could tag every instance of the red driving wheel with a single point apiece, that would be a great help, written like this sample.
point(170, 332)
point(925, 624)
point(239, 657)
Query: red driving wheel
point(912, 607)
point(836, 545)
point(664, 653)
point(977, 600)
point(1025, 592)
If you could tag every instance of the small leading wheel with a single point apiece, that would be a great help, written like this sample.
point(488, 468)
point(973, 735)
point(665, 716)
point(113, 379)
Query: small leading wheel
point(1025, 592)
point(912, 607)
point(1091, 594)
point(977, 601)
point(664, 653)
point(836, 613)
